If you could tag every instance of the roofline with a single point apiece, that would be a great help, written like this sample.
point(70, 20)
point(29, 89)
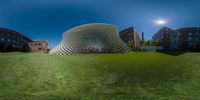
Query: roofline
point(16, 32)
point(188, 28)
point(132, 27)
point(40, 41)
point(88, 24)
point(163, 28)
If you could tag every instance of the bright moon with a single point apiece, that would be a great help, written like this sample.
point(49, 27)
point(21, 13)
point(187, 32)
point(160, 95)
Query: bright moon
point(160, 22)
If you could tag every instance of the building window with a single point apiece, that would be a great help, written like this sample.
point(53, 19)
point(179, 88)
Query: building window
point(189, 34)
point(179, 34)
point(13, 46)
point(44, 44)
point(8, 40)
point(2, 39)
point(189, 38)
point(39, 48)
point(196, 39)
point(190, 45)
point(196, 34)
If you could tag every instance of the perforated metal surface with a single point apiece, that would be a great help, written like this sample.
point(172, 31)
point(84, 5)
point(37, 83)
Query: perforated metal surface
point(90, 38)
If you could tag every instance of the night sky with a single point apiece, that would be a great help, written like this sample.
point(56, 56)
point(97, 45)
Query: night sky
point(48, 19)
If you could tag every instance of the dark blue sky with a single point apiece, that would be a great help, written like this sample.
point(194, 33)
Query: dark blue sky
point(48, 19)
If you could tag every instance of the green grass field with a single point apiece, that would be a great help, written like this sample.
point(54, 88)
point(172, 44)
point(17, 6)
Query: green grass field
point(145, 75)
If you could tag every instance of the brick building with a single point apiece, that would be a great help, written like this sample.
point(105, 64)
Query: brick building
point(184, 39)
point(163, 38)
point(131, 37)
point(188, 38)
point(38, 46)
point(13, 41)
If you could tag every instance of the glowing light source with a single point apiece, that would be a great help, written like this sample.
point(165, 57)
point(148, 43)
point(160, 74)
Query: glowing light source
point(160, 22)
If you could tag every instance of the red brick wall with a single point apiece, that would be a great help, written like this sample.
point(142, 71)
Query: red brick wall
point(131, 34)
point(38, 46)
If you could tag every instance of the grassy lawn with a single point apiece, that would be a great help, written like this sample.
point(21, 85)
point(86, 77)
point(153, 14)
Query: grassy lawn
point(147, 75)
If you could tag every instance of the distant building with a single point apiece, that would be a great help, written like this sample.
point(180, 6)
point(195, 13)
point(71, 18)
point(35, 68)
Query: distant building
point(131, 37)
point(13, 41)
point(184, 39)
point(38, 46)
point(187, 39)
point(163, 38)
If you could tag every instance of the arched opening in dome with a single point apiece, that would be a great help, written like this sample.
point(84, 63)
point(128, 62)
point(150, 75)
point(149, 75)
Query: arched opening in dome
point(93, 42)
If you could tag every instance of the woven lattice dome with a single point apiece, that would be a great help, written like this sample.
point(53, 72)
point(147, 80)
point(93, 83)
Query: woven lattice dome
point(91, 38)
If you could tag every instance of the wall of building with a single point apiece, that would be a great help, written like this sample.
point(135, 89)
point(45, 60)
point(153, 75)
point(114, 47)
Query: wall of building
point(39, 46)
point(189, 38)
point(131, 37)
point(13, 41)
point(163, 38)
point(184, 39)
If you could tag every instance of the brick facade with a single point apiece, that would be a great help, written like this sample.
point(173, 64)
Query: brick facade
point(189, 38)
point(163, 38)
point(130, 35)
point(13, 41)
point(39, 46)
point(184, 39)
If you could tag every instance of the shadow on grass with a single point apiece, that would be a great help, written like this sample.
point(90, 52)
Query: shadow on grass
point(173, 53)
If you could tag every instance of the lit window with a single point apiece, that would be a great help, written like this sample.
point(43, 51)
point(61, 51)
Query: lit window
point(44, 44)
point(13, 46)
point(189, 34)
point(189, 39)
point(179, 34)
point(8, 40)
point(2, 39)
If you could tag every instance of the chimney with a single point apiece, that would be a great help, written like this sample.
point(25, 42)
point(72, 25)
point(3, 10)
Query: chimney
point(142, 37)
